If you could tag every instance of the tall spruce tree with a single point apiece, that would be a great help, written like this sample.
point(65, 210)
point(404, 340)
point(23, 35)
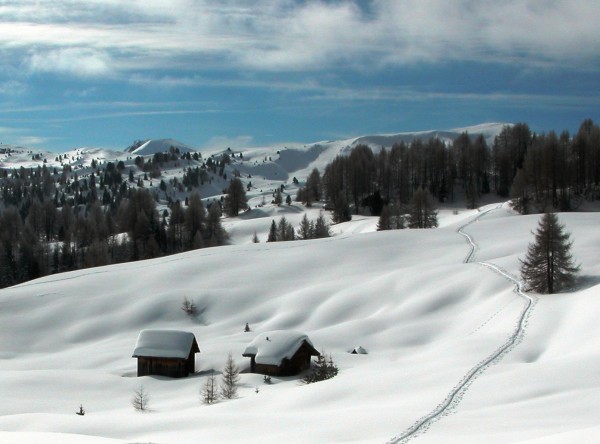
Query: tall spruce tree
point(272, 232)
point(549, 266)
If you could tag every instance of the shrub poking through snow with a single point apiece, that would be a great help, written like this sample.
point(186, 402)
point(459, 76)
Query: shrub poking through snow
point(188, 306)
point(323, 368)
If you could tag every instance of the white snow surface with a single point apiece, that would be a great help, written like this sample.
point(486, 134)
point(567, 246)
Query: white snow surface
point(426, 318)
point(271, 347)
point(164, 344)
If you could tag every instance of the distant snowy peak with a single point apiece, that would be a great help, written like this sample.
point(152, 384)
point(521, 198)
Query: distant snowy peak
point(153, 146)
point(488, 130)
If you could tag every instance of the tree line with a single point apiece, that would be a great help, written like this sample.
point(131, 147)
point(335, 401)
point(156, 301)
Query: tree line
point(44, 232)
point(539, 171)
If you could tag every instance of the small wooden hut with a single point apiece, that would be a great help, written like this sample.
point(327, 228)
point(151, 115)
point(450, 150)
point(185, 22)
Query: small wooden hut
point(280, 353)
point(166, 353)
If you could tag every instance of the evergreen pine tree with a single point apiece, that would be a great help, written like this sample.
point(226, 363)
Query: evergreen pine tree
point(549, 266)
point(304, 231)
point(272, 232)
point(278, 199)
point(236, 200)
point(341, 209)
point(321, 228)
point(323, 368)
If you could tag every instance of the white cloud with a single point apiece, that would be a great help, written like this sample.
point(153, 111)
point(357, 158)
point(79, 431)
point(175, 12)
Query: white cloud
point(31, 140)
point(80, 62)
point(12, 88)
point(21, 136)
point(93, 37)
point(223, 142)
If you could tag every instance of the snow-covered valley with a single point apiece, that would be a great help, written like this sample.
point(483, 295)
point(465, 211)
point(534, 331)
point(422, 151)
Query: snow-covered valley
point(425, 318)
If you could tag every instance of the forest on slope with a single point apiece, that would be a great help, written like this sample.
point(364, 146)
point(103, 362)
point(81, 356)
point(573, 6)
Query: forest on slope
point(56, 219)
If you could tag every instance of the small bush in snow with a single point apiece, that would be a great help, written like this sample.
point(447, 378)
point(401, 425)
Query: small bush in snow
point(188, 306)
point(323, 368)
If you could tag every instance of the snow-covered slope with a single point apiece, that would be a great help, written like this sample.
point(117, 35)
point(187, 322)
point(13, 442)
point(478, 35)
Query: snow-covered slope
point(154, 146)
point(424, 317)
point(488, 130)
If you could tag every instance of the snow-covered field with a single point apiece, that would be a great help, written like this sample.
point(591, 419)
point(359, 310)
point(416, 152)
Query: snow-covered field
point(426, 318)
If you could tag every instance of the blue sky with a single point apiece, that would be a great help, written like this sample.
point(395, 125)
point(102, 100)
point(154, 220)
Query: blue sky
point(103, 73)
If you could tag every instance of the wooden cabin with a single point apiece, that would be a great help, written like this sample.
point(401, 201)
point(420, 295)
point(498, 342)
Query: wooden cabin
point(280, 353)
point(166, 353)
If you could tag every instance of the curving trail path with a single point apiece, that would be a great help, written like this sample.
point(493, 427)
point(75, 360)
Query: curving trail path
point(453, 398)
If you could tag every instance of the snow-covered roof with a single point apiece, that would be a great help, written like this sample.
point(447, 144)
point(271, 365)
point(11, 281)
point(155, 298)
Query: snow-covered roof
point(164, 344)
point(359, 350)
point(271, 347)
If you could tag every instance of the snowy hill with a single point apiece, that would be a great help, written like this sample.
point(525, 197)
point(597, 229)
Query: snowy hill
point(488, 130)
point(426, 319)
point(153, 146)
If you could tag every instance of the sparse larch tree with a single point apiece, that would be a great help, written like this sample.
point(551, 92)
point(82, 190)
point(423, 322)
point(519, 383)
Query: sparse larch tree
point(423, 213)
point(140, 399)
point(209, 393)
point(230, 378)
point(549, 266)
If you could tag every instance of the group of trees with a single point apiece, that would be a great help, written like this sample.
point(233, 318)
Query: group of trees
point(547, 170)
point(323, 368)
point(558, 171)
point(43, 236)
point(308, 229)
point(211, 390)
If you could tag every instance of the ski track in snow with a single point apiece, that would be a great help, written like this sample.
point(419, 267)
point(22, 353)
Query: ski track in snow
point(456, 394)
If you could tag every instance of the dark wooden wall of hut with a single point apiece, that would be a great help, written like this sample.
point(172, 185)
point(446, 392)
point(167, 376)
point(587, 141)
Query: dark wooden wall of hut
point(173, 368)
